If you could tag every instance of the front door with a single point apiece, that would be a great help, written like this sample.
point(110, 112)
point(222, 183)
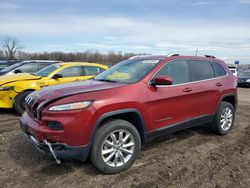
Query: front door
point(169, 105)
point(69, 74)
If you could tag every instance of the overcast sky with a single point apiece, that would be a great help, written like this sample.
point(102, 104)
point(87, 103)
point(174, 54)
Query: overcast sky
point(217, 27)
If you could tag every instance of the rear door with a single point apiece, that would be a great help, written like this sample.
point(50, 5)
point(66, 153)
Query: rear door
point(205, 88)
point(172, 104)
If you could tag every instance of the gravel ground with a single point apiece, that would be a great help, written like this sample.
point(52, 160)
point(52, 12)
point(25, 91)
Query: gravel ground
point(190, 158)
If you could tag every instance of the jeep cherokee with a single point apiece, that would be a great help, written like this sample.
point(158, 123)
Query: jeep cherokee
point(139, 99)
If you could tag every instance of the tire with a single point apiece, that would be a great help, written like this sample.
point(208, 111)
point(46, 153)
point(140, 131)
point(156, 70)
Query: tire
point(114, 148)
point(19, 102)
point(226, 114)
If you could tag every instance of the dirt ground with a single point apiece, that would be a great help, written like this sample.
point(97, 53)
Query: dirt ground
point(190, 158)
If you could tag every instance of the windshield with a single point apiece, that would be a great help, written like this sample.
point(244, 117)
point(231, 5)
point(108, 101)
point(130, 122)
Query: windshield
point(47, 70)
point(10, 68)
point(246, 74)
point(129, 71)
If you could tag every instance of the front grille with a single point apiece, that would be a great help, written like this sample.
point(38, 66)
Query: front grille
point(32, 106)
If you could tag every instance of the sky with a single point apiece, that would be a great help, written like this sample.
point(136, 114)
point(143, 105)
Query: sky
point(216, 27)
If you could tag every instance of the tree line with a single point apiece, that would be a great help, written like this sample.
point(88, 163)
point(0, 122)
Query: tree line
point(12, 48)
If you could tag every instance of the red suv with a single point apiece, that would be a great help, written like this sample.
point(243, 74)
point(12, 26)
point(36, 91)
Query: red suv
point(139, 99)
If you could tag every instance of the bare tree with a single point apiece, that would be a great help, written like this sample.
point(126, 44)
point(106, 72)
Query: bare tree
point(10, 45)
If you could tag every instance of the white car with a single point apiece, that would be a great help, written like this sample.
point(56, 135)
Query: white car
point(233, 70)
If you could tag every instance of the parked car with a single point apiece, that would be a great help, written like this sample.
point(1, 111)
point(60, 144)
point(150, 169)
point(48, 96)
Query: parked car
point(233, 69)
point(26, 67)
point(244, 79)
point(4, 64)
point(133, 102)
point(14, 88)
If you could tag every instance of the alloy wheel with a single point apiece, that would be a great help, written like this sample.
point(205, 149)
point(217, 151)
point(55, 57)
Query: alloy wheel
point(117, 148)
point(226, 119)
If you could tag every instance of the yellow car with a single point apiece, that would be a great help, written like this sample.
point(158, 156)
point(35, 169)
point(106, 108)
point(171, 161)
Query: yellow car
point(14, 88)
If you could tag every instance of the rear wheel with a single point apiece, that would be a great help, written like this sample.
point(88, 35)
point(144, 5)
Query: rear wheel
point(224, 119)
point(116, 146)
point(19, 103)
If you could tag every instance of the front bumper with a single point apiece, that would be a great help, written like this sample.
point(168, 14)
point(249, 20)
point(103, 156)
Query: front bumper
point(61, 150)
point(7, 99)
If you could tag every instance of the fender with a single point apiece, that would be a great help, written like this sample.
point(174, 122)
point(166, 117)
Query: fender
point(140, 127)
point(229, 95)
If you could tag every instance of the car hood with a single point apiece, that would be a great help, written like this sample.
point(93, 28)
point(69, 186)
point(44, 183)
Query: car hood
point(17, 77)
point(52, 93)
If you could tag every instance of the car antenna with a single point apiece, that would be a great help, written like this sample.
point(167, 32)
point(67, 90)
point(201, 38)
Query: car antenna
point(196, 52)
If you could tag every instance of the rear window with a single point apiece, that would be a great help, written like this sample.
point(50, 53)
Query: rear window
point(219, 70)
point(201, 70)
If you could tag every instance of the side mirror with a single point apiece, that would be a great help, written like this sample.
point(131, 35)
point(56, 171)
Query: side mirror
point(57, 76)
point(162, 80)
point(17, 71)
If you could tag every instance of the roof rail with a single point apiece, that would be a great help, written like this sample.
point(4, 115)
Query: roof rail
point(210, 56)
point(139, 56)
point(172, 54)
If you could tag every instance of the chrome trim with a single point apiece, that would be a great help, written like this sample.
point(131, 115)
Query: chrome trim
point(133, 57)
point(28, 99)
point(163, 119)
point(172, 54)
point(187, 82)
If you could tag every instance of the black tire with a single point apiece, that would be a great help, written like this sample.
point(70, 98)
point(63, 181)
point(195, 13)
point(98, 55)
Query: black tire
point(19, 102)
point(217, 126)
point(104, 133)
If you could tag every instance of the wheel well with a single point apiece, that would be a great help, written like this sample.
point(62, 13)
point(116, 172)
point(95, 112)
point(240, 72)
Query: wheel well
point(133, 118)
point(230, 99)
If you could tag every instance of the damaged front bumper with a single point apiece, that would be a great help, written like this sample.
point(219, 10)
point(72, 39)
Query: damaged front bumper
point(56, 150)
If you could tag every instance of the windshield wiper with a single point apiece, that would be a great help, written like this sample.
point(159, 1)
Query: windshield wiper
point(106, 80)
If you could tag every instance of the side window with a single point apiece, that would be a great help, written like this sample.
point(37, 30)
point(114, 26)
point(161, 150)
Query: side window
point(178, 70)
point(71, 71)
point(218, 69)
point(91, 70)
point(29, 67)
point(201, 70)
point(43, 65)
point(101, 69)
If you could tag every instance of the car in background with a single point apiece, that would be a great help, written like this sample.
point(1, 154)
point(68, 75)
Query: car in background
point(14, 88)
point(233, 69)
point(30, 66)
point(244, 79)
point(4, 64)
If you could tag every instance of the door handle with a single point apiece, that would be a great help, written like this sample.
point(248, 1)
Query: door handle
point(219, 84)
point(187, 90)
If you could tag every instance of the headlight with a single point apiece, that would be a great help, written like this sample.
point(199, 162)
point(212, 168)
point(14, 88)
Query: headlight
point(71, 106)
point(248, 80)
point(6, 88)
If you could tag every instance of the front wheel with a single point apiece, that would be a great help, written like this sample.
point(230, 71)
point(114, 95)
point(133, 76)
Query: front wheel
point(19, 103)
point(116, 146)
point(224, 118)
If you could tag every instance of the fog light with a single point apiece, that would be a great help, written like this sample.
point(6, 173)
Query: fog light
point(55, 125)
